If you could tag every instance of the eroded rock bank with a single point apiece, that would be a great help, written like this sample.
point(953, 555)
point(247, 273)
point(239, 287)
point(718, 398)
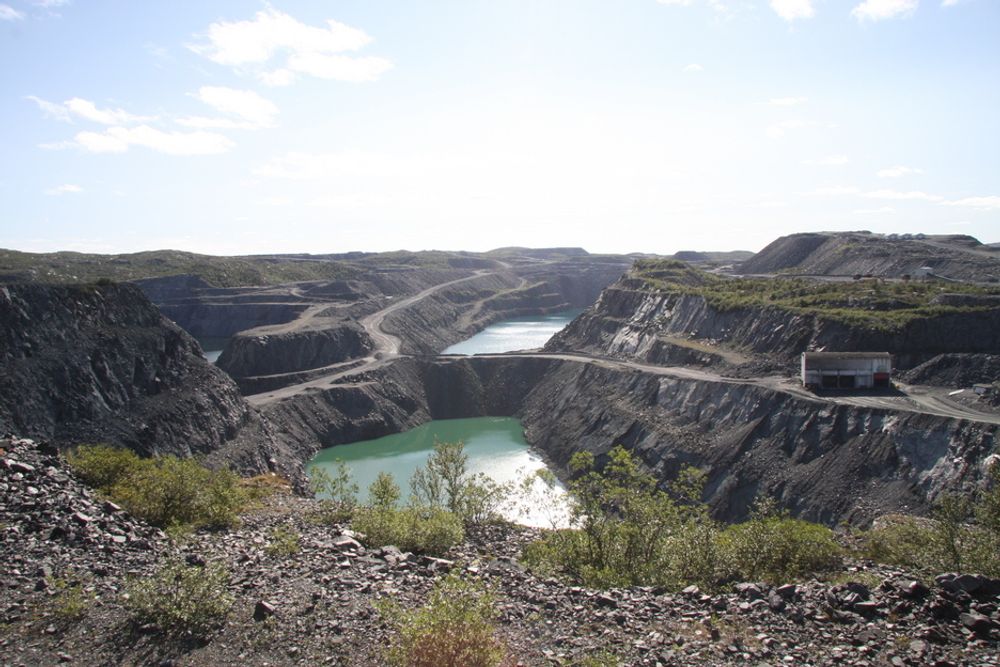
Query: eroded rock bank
point(634, 321)
point(823, 462)
point(292, 351)
point(101, 364)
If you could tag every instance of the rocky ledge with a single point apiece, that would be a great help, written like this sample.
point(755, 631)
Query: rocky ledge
point(316, 605)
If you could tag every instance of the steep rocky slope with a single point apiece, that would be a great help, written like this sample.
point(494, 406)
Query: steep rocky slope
point(693, 318)
point(847, 253)
point(100, 363)
point(822, 461)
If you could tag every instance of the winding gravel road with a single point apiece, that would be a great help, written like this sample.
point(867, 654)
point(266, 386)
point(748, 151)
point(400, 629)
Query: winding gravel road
point(923, 400)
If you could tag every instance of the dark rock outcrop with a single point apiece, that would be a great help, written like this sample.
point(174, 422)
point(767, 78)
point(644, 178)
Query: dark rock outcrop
point(288, 352)
point(101, 364)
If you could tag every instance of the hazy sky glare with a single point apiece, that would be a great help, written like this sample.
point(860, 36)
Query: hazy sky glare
point(625, 125)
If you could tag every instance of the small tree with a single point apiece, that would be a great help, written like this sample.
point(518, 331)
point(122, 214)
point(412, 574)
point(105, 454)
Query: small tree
point(383, 493)
point(339, 490)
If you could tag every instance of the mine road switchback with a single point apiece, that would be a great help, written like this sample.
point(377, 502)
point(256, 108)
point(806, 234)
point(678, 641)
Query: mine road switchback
point(923, 400)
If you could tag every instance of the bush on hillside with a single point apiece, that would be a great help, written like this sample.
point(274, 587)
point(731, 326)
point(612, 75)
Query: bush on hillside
point(181, 599)
point(775, 548)
point(456, 628)
point(963, 533)
point(164, 491)
point(631, 532)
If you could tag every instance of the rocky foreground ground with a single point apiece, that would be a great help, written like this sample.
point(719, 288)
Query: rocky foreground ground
point(68, 556)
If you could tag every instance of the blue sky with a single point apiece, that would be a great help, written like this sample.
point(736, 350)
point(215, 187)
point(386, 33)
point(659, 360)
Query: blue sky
point(237, 127)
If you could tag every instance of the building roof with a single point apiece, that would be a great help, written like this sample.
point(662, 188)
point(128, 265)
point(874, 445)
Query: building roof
point(846, 355)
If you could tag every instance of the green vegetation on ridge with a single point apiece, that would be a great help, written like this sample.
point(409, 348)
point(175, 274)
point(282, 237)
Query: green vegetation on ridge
point(870, 303)
point(73, 267)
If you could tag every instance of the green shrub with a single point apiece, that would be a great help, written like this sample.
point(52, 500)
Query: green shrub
point(456, 628)
point(777, 549)
point(168, 491)
point(283, 541)
point(630, 532)
point(950, 539)
point(428, 530)
point(164, 491)
point(102, 466)
point(181, 599)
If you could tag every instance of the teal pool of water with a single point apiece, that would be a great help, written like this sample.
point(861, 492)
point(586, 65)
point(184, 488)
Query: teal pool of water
point(522, 333)
point(495, 446)
point(212, 347)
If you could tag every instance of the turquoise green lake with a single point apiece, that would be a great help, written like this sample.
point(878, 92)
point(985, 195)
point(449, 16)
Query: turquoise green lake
point(212, 347)
point(495, 446)
point(522, 333)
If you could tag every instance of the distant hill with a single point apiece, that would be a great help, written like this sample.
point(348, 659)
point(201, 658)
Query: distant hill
point(74, 267)
point(699, 257)
point(957, 257)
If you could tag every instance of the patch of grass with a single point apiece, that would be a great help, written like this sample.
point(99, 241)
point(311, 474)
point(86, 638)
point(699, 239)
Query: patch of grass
point(164, 491)
point(873, 304)
point(71, 600)
point(259, 487)
point(182, 600)
point(455, 628)
point(283, 541)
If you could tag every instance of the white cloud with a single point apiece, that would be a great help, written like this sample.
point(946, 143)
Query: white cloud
point(896, 194)
point(49, 4)
point(898, 171)
point(878, 10)
point(694, 67)
point(251, 110)
point(59, 190)
point(990, 203)
point(87, 110)
point(278, 77)
point(51, 109)
point(787, 101)
point(949, 3)
point(679, 3)
point(884, 210)
point(340, 68)
point(828, 161)
point(119, 139)
point(8, 13)
point(790, 10)
point(834, 191)
point(309, 50)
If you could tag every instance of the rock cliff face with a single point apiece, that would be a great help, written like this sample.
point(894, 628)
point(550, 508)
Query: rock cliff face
point(101, 364)
point(823, 462)
point(631, 320)
point(249, 355)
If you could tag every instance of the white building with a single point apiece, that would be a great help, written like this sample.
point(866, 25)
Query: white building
point(846, 370)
